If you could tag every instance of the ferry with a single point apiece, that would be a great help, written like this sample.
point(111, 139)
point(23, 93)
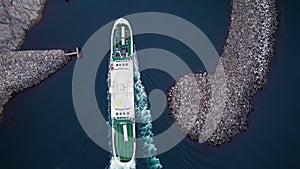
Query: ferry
point(122, 93)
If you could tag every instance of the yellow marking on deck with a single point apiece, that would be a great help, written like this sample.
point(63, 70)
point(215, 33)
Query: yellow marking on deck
point(118, 102)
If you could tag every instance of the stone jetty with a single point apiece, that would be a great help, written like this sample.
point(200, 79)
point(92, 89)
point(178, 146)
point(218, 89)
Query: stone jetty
point(221, 100)
point(22, 69)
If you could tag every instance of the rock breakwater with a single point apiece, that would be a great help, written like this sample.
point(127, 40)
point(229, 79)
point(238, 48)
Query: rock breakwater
point(22, 69)
point(223, 97)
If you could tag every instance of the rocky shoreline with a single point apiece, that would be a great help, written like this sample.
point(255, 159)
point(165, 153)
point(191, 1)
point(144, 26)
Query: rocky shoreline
point(22, 69)
point(222, 99)
point(16, 17)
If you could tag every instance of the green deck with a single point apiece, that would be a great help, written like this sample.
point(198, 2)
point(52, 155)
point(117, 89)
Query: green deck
point(124, 150)
point(117, 46)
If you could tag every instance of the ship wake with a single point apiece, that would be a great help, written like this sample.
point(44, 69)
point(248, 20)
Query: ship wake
point(143, 116)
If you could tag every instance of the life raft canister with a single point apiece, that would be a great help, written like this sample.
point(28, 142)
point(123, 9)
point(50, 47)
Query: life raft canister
point(111, 66)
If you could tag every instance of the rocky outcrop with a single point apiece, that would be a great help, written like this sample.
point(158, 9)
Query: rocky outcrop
point(224, 97)
point(16, 17)
point(22, 69)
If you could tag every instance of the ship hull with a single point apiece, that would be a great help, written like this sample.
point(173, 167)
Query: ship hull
point(122, 93)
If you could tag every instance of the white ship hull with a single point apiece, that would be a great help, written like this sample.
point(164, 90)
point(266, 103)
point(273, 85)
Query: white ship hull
point(122, 93)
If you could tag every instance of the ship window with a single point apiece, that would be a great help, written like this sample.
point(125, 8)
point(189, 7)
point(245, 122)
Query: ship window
point(116, 113)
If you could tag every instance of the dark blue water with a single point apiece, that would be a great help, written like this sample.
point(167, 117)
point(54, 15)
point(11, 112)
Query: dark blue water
point(40, 129)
